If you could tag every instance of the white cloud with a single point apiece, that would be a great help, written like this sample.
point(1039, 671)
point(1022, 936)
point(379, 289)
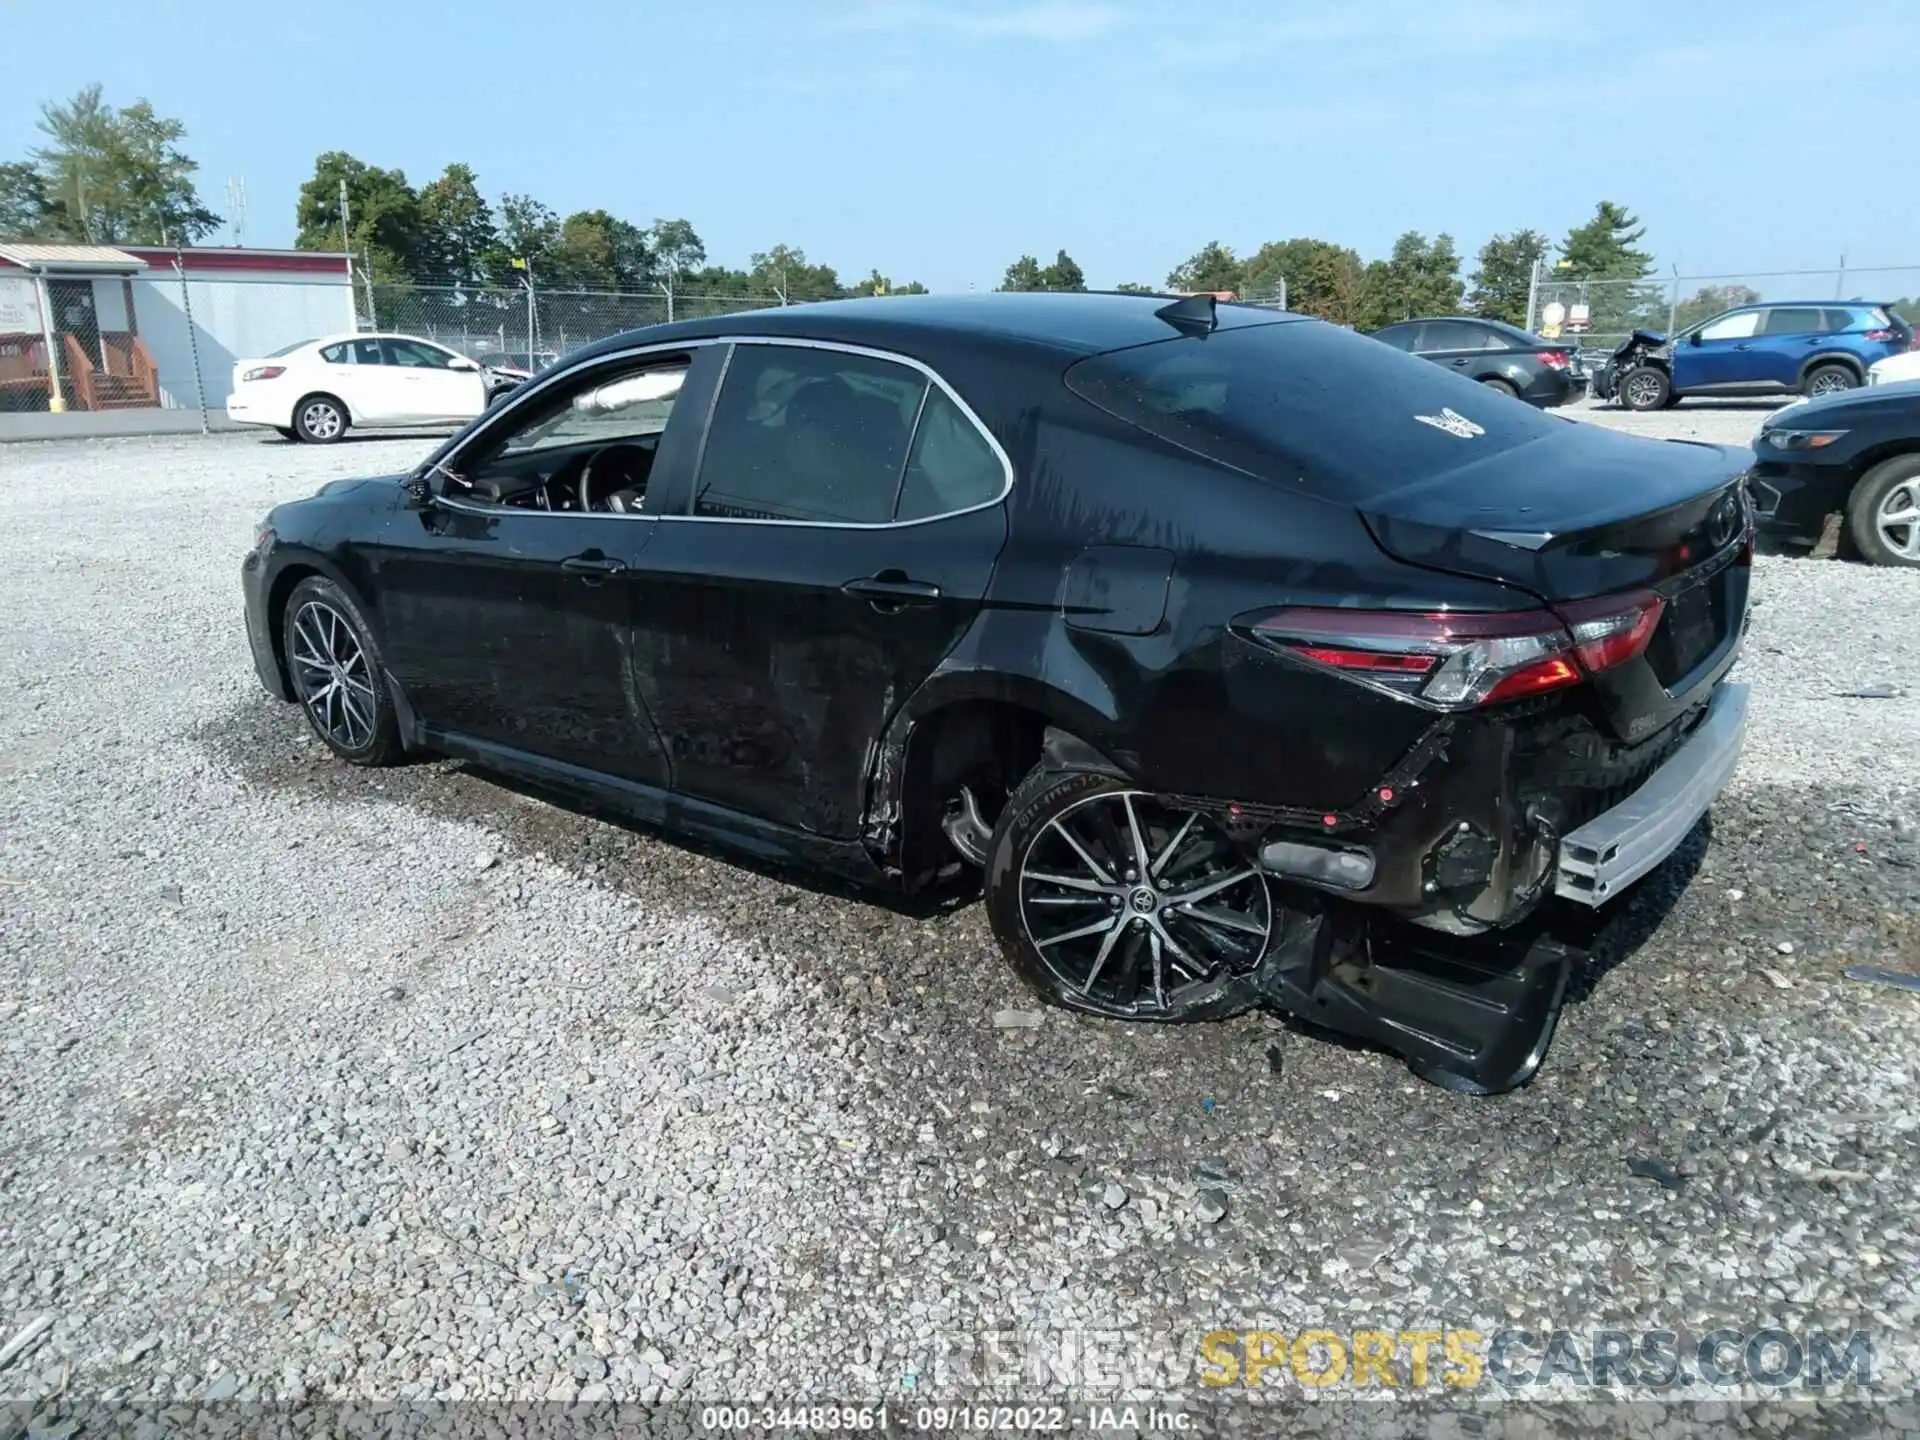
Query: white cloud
point(1058, 21)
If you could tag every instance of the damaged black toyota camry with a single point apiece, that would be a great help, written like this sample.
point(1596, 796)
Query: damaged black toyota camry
point(1249, 660)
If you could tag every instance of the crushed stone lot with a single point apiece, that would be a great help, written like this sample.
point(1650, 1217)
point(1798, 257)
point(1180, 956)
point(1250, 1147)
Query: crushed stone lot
point(318, 1082)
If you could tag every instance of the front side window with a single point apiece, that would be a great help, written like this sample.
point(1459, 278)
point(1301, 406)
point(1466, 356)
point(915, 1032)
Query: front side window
point(1741, 325)
point(809, 434)
point(1401, 337)
point(415, 355)
point(634, 405)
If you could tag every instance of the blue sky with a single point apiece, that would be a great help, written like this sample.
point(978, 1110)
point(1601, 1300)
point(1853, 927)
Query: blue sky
point(939, 139)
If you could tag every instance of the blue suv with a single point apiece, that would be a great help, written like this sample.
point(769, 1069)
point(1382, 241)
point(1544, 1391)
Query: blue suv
point(1807, 347)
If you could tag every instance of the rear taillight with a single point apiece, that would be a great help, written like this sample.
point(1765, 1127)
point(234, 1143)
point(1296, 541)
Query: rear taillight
point(265, 372)
point(1554, 359)
point(1883, 335)
point(1452, 661)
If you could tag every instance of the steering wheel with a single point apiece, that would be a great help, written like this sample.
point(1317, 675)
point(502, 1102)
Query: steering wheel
point(615, 479)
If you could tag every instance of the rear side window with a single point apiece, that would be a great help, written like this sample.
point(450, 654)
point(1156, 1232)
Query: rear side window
point(1305, 401)
point(1454, 335)
point(951, 466)
point(1795, 320)
point(341, 354)
point(808, 434)
point(367, 352)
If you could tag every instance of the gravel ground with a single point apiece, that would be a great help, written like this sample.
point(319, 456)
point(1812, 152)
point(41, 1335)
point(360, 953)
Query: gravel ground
point(328, 1083)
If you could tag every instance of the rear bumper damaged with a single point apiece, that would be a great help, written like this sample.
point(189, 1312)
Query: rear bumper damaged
point(1476, 827)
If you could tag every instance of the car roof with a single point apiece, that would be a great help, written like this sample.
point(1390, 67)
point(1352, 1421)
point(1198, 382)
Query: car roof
point(1078, 322)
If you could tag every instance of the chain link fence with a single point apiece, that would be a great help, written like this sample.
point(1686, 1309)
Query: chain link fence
point(529, 323)
point(1601, 313)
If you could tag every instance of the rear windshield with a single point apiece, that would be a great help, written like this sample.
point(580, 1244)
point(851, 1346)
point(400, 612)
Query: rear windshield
point(1347, 417)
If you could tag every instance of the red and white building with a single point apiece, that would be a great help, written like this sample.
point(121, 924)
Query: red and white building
point(139, 327)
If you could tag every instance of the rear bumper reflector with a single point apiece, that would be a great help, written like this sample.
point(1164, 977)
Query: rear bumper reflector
point(1617, 847)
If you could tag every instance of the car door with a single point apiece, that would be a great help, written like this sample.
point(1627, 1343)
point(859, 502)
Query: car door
point(434, 384)
point(834, 545)
point(1722, 353)
point(351, 371)
point(1456, 344)
point(506, 608)
point(1789, 336)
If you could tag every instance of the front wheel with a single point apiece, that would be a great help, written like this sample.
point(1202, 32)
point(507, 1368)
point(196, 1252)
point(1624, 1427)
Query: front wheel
point(1645, 387)
point(1883, 513)
point(337, 676)
point(1110, 902)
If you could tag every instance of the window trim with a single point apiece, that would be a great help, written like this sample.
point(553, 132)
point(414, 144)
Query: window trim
point(448, 460)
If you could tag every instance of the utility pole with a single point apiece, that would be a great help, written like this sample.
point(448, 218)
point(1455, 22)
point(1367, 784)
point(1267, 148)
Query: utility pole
point(1533, 294)
point(346, 246)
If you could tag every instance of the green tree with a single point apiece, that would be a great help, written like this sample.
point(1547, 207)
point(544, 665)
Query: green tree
point(1063, 274)
point(1708, 301)
point(677, 247)
point(385, 226)
point(1024, 274)
point(27, 211)
point(118, 176)
point(1603, 255)
point(593, 250)
point(878, 284)
point(1134, 287)
point(1503, 275)
point(1212, 267)
point(1321, 278)
point(458, 227)
point(785, 271)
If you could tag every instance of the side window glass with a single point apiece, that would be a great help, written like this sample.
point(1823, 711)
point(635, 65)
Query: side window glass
point(341, 354)
point(808, 434)
point(417, 356)
point(1740, 325)
point(1794, 320)
point(634, 406)
point(367, 352)
point(1838, 322)
point(1444, 335)
point(951, 466)
point(1401, 337)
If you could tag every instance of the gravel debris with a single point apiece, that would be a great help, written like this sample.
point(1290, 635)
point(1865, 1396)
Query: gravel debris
point(1210, 1206)
point(357, 1117)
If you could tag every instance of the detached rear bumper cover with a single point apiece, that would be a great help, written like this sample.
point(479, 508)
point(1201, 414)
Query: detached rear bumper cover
point(1614, 849)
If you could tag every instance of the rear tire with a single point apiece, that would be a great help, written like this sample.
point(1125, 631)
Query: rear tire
point(1501, 387)
point(1118, 947)
point(1828, 380)
point(1883, 513)
point(320, 419)
point(1645, 387)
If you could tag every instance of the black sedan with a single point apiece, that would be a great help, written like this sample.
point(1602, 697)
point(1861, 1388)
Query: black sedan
point(1500, 356)
point(1856, 453)
point(1243, 659)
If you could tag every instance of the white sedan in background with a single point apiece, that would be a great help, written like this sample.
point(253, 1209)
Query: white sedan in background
point(316, 390)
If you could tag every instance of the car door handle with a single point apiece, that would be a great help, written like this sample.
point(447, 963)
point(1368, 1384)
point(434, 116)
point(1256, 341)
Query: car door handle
point(890, 591)
point(1743, 347)
point(593, 567)
point(1461, 361)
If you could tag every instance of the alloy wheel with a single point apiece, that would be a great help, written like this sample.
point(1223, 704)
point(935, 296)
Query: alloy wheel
point(1135, 905)
point(1830, 382)
point(332, 675)
point(1643, 392)
point(1899, 520)
point(321, 420)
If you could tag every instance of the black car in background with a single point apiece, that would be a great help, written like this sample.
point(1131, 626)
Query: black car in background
point(1857, 453)
point(1244, 659)
point(1500, 356)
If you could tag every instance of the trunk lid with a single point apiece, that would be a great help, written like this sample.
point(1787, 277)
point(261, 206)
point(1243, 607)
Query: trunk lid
point(1599, 513)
